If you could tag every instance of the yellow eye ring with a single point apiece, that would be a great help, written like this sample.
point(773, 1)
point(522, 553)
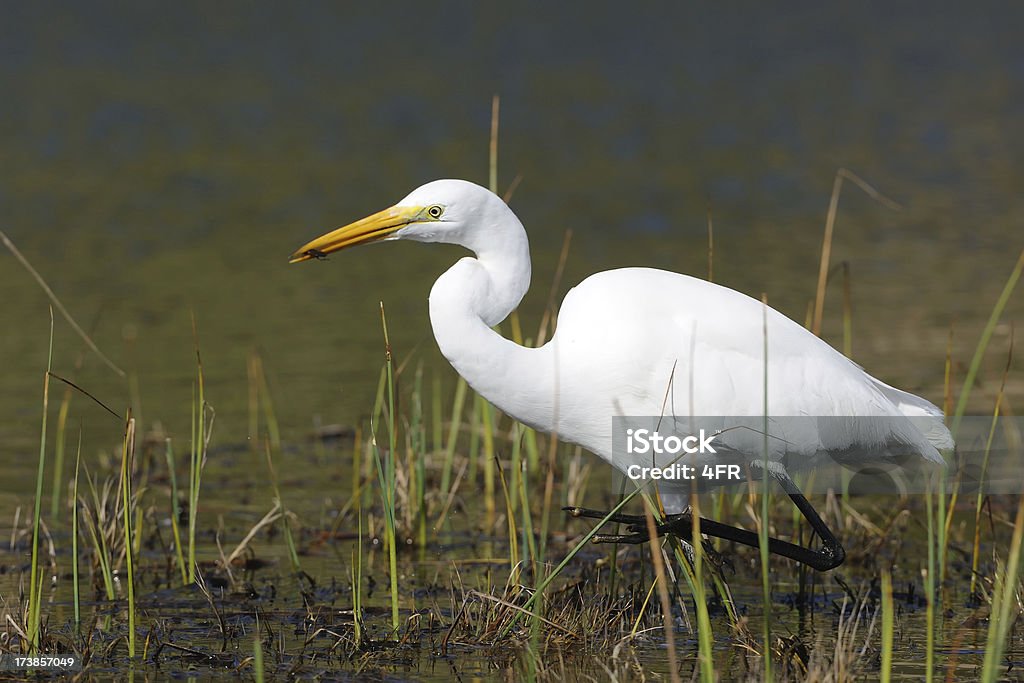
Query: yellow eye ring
point(435, 211)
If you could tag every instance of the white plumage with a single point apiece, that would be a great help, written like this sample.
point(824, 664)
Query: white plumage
point(637, 341)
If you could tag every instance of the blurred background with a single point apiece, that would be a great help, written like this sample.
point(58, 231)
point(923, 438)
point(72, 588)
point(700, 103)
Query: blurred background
point(161, 162)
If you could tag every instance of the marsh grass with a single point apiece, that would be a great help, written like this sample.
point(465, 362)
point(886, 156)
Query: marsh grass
point(75, 580)
point(271, 450)
point(939, 520)
point(661, 581)
point(257, 658)
point(826, 243)
point(100, 524)
point(386, 472)
point(35, 596)
point(556, 626)
point(1005, 601)
point(705, 636)
point(199, 444)
point(176, 511)
point(980, 497)
point(127, 458)
point(58, 459)
point(546, 603)
point(357, 584)
point(940, 505)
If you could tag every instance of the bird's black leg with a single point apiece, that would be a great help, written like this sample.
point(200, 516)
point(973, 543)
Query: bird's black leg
point(829, 556)
point(637, 525)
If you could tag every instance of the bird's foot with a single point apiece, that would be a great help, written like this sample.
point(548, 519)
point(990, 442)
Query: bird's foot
point(637, 529)
point(636, 525)
point(617, 518)
point(635, 538)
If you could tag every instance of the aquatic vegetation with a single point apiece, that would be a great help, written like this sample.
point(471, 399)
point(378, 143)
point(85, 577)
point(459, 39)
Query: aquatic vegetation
point(454, 508)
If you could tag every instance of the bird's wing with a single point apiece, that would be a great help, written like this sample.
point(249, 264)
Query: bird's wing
point(639, 341)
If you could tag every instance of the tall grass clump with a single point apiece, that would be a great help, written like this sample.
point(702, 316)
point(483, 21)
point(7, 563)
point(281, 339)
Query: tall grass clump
point(705, 637)
point(197, 459)
point(176, 511)
point(980, 497)
point(936, 503)
point(35, 589)
point(1004, 600)
point(357, 584)
point(888, 622)
point(386, 473)
point(257, 658)
point(127, 456)
point(986, 336)
point(98, 524)
point(74, 538)
point(661, 580)
point(546, 582)
point(272, 446)
point(58, 454)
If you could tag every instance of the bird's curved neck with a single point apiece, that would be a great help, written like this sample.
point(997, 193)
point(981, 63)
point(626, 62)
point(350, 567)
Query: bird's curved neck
point(468, 300)
point(499, 276)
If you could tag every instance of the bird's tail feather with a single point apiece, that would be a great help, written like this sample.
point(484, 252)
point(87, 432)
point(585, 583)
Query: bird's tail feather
point(932, 425)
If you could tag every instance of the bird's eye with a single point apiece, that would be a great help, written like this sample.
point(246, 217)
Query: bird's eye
point(435, 211)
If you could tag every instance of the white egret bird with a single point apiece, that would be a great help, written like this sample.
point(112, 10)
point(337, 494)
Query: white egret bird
point(621, 337)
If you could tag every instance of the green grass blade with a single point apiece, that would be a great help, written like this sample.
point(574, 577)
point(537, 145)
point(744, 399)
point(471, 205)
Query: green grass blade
point(74, 537)
point(175, 512)
point(35, 595)
point(127, 454)
point(887, 626)
point(1004, 599)
point(388, 475)
point(986, 336)
point(762, 530)
point(58, 455)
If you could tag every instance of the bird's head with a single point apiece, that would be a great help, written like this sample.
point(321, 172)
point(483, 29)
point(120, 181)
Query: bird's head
point(440, 211)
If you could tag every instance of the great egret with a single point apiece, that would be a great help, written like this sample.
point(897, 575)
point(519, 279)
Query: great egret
point(621, 337)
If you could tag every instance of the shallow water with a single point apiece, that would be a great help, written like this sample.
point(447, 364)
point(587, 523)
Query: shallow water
point(311, 615)
point(160, 166)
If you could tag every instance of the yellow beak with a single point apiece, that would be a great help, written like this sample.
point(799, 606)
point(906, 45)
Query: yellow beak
point(370, 229)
